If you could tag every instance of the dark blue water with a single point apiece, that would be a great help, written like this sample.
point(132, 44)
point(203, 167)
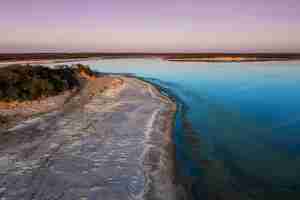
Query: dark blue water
point(238, 132)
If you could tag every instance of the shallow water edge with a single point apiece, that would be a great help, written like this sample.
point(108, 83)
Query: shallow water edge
point(178, 170)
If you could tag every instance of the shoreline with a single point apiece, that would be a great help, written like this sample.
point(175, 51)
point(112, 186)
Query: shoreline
point(45, 61)
point(57, 58)
point(233, 60)
point(162, 185)
point(157, 157)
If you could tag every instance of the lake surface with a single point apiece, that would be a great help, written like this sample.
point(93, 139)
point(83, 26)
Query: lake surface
point(238, 132)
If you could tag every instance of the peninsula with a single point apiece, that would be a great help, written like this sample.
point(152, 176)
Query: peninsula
point(104, 137)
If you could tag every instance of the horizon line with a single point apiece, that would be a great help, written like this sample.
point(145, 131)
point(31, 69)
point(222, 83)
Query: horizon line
point(147, 53)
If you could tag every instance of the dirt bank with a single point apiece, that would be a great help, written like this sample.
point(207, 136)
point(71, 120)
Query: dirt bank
point(28, 91)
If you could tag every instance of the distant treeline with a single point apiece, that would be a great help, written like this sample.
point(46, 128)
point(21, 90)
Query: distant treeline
point(235, 55)
point(44, 56)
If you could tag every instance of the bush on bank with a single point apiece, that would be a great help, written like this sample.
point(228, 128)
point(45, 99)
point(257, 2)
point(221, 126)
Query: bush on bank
point(23, 83)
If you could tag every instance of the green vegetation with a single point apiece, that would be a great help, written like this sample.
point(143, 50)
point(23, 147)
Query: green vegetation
point(21, 83)
point(3, 120)
point(79, 68)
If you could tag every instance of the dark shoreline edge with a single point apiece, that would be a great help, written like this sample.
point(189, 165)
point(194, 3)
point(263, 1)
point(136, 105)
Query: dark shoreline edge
point(182, 181)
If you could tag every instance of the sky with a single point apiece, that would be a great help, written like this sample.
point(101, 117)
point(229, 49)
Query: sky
point(149, 26)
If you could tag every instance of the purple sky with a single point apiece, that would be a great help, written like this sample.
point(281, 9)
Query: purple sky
point(150, 25)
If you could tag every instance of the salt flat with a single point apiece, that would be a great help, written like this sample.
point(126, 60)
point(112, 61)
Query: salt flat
point(114, 144)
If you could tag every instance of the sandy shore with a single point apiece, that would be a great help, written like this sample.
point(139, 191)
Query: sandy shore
point(110, 141)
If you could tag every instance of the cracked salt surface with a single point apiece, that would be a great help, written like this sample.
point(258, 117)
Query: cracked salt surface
point(86, 154)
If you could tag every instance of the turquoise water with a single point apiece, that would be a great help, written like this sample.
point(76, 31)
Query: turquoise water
point(238, 134)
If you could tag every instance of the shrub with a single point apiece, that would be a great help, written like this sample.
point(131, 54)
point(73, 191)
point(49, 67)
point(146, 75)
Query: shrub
point(22, 83)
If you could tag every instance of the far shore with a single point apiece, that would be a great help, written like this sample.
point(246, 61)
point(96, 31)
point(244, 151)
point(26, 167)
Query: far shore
point(50, 58)
point(45, 61)
point(231, 59)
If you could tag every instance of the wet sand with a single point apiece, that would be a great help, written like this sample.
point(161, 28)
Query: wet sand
point(109, 143)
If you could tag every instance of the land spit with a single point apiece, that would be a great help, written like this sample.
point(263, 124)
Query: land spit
point(102, 144)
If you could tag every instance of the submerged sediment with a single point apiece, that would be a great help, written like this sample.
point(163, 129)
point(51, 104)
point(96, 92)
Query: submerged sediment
point(103, 144)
